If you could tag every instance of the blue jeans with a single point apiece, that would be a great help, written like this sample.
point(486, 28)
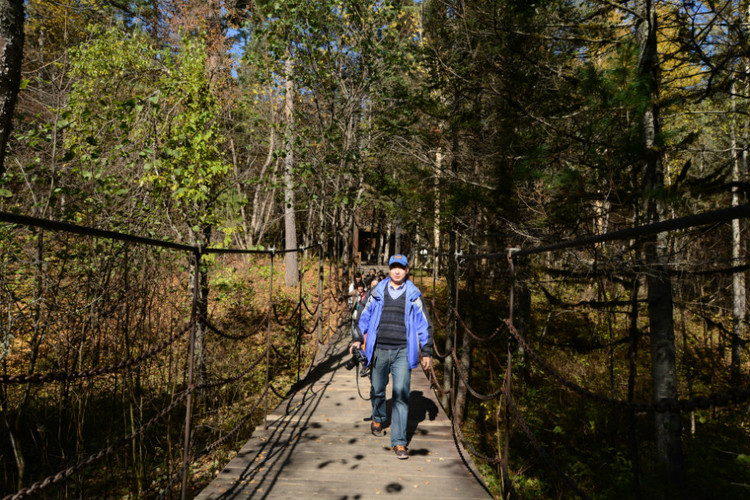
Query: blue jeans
point(395, 362)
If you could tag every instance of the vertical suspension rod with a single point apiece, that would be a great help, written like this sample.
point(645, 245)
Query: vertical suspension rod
point(191, 384)
point(268, 340)
point(505, 462)
point(321, 277)
point(300, 273)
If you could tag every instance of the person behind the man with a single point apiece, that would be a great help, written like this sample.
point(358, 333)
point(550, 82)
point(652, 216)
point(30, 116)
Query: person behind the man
point(396, 325)
point(353, 289)
point(372, 283)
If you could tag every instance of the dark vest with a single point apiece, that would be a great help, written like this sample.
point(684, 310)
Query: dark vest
point(392, 329)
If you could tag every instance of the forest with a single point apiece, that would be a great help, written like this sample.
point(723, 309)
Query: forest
point(319, 137)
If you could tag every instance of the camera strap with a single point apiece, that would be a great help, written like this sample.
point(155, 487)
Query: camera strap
point(358, 389)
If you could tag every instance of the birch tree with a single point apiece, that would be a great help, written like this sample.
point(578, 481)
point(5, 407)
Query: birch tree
point(290, 220)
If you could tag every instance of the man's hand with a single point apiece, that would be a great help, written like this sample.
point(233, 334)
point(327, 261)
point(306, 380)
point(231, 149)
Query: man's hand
point(355, 345)
point(426, 362)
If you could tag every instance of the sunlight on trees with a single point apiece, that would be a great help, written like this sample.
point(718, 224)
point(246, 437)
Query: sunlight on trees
point(434, 127)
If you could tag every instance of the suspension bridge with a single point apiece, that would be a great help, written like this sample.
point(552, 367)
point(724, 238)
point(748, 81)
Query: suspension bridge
point(316, 442)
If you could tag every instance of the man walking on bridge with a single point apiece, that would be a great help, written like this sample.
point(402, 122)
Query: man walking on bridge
point(396, 326)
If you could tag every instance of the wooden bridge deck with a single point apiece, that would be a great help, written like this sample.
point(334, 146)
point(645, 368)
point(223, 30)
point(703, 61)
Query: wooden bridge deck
point(318, 444)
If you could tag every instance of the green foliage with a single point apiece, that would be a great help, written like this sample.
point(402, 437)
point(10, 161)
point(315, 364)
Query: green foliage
point(189, 164)
point(141, 116)
point(110, 117)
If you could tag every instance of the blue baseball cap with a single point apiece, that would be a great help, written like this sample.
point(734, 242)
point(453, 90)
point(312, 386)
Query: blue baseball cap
point(398, 259)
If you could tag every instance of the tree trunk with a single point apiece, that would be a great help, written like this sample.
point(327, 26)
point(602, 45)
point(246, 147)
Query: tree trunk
point(355, 239)
point(635, 338)
point(267, 207)
point(397, 236)
point(345, 221)
point(467, 348)
point(381, 238)
point(377, 225)
point(215, 40)
point(436, 221)
point(387, 243)
point(660, 307)
point(259, 202)
point(738, 279)
point(336, 233)
point(322, 234)
point(290, 226)
point(11, 51)
point(450, 328)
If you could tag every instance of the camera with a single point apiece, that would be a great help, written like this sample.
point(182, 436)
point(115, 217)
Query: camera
point(358, 356)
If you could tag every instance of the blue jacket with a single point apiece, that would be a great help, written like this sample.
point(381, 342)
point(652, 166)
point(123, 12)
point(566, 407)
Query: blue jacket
point(417, 321)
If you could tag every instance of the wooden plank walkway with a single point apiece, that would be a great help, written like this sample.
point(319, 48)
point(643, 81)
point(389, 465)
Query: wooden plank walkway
point(318, 444)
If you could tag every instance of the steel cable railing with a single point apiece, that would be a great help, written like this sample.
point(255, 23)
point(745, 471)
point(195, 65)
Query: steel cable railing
point(732, 396)
point(287, 321)
point(320, 312)
point(254, 331)
point(711, 217)
point(464, 442)
point(465, 379)
point(729, 397)
point(307, 307)
point(228, 380)
point(216, 444)
point(436, 316)
point(471, 334)
point(277, 352)
point(311, 330)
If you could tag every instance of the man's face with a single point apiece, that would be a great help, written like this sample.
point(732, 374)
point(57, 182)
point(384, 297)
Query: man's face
point(398, 273)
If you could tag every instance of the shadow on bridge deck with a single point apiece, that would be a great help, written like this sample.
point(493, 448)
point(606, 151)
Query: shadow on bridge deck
point(318, 444)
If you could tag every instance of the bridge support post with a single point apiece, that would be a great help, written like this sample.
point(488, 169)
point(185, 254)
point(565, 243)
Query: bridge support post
point(505, 462)
point(301, 273)
point(191, 384)
point(321, 277)
point(268, 341)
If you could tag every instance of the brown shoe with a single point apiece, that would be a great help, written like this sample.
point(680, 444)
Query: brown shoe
point(377, 429)
point(401, 451)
